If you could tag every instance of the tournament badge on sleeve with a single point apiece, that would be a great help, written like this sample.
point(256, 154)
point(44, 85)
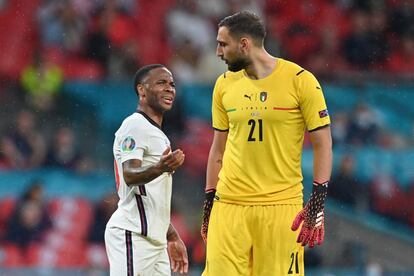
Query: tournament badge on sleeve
point(128, 144)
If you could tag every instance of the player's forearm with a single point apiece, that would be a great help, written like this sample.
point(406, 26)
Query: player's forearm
point(139, 176)
point(213, 168)
point(322, 155)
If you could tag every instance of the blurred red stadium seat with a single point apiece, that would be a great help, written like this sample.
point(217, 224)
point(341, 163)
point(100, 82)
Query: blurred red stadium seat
point(82, 69)
point(6, 210)
point(18, 46)
point(10, 256)
point(71, 256)
point(196, 144)
point(71, 216)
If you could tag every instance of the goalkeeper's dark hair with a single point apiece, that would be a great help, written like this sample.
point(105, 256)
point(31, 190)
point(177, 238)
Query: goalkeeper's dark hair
point(143, 72)
point(245, 23)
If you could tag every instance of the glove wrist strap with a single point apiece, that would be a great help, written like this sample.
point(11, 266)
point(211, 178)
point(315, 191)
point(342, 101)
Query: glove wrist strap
point(317, 202)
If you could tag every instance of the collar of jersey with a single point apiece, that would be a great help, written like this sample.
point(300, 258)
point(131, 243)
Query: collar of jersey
point(149, 119)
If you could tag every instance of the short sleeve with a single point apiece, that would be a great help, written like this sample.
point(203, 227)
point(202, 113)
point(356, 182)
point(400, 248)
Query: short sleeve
point(219, 115)
point(312, 102)
point(133, 143)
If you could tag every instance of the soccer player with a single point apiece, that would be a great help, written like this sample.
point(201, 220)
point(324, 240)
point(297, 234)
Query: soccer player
point(261, 108)
point(139, 238)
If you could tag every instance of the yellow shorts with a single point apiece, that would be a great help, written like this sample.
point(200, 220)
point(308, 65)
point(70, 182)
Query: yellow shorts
point(253, 241)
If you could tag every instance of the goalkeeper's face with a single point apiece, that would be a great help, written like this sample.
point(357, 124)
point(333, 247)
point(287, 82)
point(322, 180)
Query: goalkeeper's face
point(233, 52)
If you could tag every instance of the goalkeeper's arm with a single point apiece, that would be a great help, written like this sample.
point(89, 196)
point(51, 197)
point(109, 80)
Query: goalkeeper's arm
point(312, 215)
point(214, 164)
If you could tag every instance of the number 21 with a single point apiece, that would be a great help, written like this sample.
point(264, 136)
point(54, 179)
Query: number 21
point(252, 123)
point(294, 264)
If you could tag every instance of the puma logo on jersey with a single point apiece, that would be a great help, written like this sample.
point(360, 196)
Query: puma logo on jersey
point(249, 97)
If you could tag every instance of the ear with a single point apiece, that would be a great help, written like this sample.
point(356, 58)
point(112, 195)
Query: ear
point(244, 45)
point(141, 90)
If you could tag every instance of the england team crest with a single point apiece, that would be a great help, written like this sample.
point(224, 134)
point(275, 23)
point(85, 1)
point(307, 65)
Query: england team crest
point(263, 96)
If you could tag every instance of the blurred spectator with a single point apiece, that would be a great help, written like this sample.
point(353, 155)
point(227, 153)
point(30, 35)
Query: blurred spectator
point(255, 6)
point(173, 123)
point(97, 46)
point(63, 152)
point(24, 147)
point(346, 186)
point(379, 40)
point(363, 126)
point(299, 42)
point(339, 128)
point(29, 220)
point(124, 62)
point(209, 67)
point(402, 59)
point(213, 9)
point(127, 6)
point(327, 61)
point(3, 4)
point(357, 45)
point(185, 25)
point(402, 18)
point(351, 255)
point(109, 40)
point(191, 65)
point(61, 25)
point(8, 160)
point(388, 198)
point(196, 143)
point(185, 62)
point(42, 81)
point(103, 211)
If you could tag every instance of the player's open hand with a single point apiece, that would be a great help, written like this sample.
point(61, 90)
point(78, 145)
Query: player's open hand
point(178, 256)
point(170, 161)
point(312, 217)
point(312, 231)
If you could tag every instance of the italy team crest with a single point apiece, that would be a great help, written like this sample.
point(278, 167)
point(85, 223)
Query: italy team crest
point(263, 96)
point(128, 144)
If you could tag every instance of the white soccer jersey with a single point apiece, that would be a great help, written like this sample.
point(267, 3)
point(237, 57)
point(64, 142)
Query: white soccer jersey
point(143, 209)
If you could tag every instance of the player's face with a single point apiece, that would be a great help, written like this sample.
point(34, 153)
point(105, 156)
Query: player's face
point(159, 89)
point(229, 50)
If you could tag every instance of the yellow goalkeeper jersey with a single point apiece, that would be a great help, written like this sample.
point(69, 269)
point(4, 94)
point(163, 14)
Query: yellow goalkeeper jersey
point(266, 120)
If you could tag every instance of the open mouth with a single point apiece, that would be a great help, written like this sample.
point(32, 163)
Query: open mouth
point(168, 100)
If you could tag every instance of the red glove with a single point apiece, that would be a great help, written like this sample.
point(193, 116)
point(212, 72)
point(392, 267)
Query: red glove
point(208, 204)
point(312, 216)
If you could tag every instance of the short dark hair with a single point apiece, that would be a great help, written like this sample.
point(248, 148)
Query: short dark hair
point(143, 72)
point(245, 23)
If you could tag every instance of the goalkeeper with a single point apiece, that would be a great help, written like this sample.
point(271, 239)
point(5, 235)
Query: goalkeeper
point(261, 107)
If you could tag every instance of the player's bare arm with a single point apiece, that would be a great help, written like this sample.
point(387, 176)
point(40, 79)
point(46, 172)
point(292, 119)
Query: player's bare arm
point(135, 174)
point(312, 215)
point(321, 140)
point(176, 251)
point(215, 158)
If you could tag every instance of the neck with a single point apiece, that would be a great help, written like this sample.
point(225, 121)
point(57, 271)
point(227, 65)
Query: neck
point(154, 115)
point(262, 64)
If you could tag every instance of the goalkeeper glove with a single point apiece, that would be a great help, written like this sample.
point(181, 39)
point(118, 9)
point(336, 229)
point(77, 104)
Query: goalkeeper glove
point(312, 216)
point(208, 204)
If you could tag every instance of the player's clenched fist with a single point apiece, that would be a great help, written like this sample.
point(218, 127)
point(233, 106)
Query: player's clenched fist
point(312, 216)
point(170, 161)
